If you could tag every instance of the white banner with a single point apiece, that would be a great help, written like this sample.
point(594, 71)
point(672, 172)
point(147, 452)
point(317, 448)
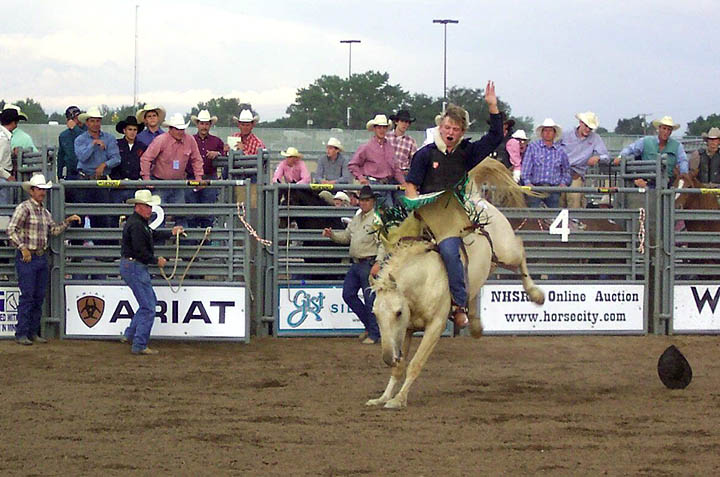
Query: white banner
point(695, 308)
point(9, 299)
point(567, 309)
point(193, 312)
point(316, 310)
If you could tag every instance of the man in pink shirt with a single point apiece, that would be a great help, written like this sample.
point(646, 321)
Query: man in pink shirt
point(168, 156)
point(374, 162)
point(292, 169)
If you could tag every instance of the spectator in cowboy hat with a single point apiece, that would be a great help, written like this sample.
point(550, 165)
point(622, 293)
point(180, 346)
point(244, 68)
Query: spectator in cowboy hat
point(28, 231)
point(97, 153)
point(66, 158)
point(333, 167)
point(167, 158)
point(366, 252)
point(138, 253)
point(661, 146)
point(546, 164)
point(152, 116)
point(292, 169)
point(584, 147)
point(131, 149)
point(374, 161)
point(249, 143)
point(705, 162)
point(516, 147)
point(21, 139)
point(9, 119)
point(210, 147)
point(404, 145)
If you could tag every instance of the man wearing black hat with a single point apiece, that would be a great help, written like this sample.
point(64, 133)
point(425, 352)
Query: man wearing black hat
point(405, 146)
point(366, 252)
point(131, 149)
point(9, 119)
point(66, 158)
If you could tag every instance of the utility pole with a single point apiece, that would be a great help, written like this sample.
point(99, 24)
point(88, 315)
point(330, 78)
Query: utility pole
point(349, 43)
point(135, 79)
point(444, 23)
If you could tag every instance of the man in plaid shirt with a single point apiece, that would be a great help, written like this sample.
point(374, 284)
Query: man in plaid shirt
point(28, 230)
point(405, 146)
point(250, 143)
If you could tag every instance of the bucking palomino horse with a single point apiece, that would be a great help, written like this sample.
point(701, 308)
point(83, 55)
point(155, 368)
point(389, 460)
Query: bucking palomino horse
point(412, 291)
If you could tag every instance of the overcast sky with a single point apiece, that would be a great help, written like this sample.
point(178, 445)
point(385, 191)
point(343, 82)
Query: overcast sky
point(552, 58)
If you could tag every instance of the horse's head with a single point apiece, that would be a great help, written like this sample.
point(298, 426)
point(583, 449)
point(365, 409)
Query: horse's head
point(393, 316)
point(684, 181)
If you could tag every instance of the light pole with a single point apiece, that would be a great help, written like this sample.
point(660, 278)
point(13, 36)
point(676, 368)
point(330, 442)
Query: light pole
point(349, 43)
point(445, 24)
point(135, 74)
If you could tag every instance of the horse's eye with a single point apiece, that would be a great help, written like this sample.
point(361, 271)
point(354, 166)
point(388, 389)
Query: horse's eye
point(398, 313)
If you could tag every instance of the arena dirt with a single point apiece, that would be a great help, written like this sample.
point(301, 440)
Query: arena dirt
point(501, 405)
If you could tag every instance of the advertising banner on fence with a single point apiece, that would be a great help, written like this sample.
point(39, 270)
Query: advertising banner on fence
point(8, 310)
point(193, 312)
point(315, 310)
point(596, 308)
point(695, 309)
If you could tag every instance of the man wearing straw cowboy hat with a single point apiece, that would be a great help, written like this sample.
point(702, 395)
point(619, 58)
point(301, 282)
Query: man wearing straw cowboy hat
point(706, 160)
point(152, 117)
point(546, 164)
point(168, 157)
point(652, 148)
point(584, 147)
point(292, 169)
point(333, 167)
point(249, 143)
point(28, 230)
point(374, 161)
point(210, 147)
point(138, 253)
point(516, 147)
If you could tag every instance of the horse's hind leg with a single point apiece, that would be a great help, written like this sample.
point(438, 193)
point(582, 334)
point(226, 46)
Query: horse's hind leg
point(476, 327)
point(395, 375)
point(429, 340)
point(533, 291)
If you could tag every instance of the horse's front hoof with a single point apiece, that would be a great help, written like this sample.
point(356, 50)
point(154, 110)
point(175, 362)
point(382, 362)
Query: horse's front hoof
point(374, 402)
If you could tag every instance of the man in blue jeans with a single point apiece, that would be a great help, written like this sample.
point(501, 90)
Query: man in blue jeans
point(366, 252)
point(137, 254)
point(28, 230)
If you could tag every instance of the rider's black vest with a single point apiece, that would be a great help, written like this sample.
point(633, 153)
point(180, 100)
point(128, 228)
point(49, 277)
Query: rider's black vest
point(444, 171)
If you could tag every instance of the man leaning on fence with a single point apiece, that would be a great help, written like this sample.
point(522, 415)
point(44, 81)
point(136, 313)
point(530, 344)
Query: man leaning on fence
point(9, 119)
point(137, 254)
point(366, 252)
point(659, 147)
point(168, 157)
point(249, 143)
point(28, 230)
point(333, 167)
point(584, 147)
point(546, 164)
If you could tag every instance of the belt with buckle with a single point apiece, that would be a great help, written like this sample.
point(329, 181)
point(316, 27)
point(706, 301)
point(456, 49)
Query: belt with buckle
point(363, 260)
point(39, 252)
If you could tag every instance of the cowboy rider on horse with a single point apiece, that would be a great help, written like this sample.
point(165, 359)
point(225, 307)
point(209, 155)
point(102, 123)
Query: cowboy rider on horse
point(440, 166)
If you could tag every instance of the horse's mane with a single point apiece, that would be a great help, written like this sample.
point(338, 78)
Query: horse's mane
point(494, 173)
point(404, 252)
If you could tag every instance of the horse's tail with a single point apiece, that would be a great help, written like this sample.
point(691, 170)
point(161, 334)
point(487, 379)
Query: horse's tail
point(507, 192)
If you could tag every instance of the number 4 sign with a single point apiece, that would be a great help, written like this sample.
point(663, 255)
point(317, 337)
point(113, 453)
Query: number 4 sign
point(560, 225)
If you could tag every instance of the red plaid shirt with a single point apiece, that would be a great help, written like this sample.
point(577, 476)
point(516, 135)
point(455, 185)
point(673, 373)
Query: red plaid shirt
point(30, 224)
point(405, 149)
point(251, 143)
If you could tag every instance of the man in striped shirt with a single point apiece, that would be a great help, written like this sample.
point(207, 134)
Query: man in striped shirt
point(28, 230)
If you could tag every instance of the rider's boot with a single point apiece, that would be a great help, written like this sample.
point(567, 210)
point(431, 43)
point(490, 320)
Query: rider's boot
point(460, 317)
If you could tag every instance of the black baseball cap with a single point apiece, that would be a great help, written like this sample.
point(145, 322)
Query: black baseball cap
point(72, 112)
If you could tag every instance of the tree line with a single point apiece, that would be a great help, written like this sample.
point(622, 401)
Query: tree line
point(324, 104)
